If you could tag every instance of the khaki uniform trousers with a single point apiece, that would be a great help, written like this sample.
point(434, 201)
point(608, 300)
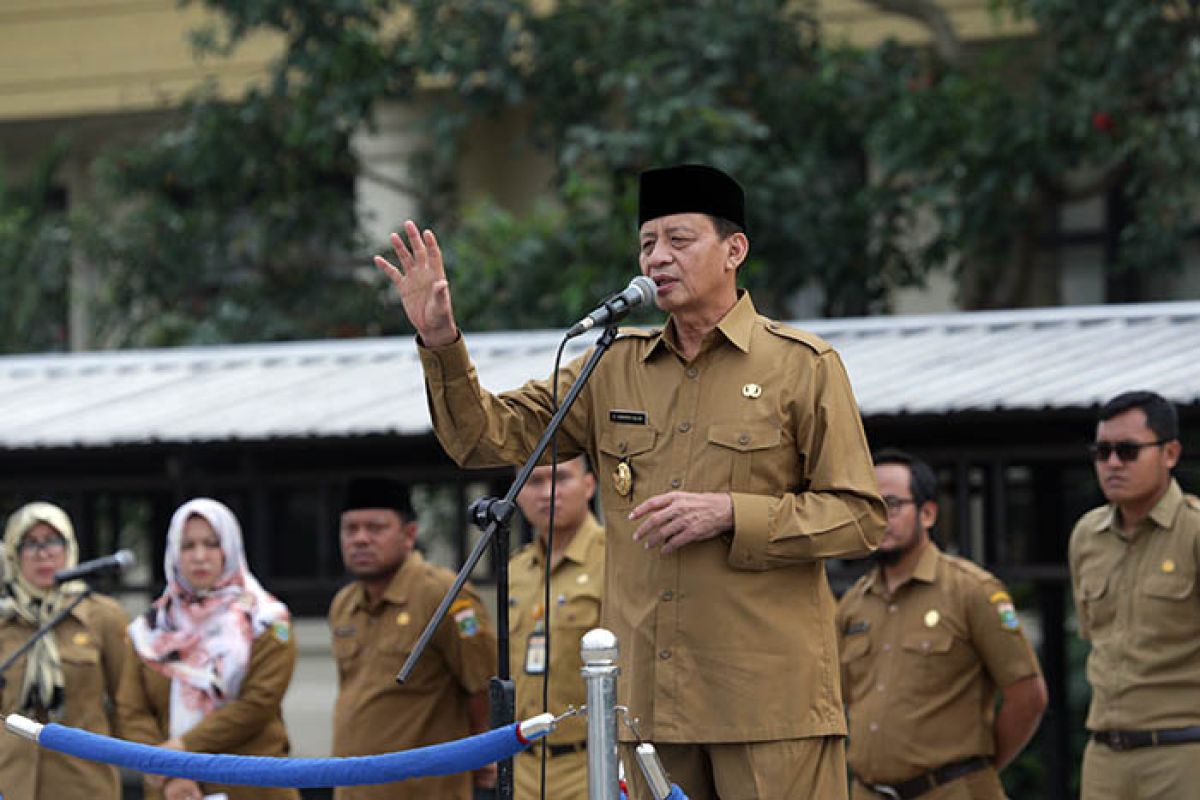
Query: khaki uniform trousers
point(783, 770)
point(566, 776)
point(1166, 772)
point(981, 785)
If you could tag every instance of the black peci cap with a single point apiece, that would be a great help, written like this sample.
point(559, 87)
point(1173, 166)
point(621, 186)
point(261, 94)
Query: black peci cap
point(690, 188)
point(378, 493)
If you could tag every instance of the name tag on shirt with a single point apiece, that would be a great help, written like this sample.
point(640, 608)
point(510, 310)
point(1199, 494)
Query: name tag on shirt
point(627, 417)
point(535, 653)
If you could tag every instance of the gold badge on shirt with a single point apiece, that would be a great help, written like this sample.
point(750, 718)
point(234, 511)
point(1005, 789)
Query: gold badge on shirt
point(752, 391)
point(1168, 566)
point(80, 639)
point(623, 478)
point(403, 618)
point(931, 618)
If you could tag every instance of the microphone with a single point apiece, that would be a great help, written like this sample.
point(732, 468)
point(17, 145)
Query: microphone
point(640, 290)
point(118, 561)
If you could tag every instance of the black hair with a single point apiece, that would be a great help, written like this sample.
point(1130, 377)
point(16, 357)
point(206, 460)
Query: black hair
point(923, 482)
point(725, 227)
point(1161, 416)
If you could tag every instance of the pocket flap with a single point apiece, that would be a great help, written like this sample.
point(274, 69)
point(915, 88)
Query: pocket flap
point(621, 443)
point(855, 647)
point(1169, 587)
point(928, 642)
point(1092, 587)
point(745, 436)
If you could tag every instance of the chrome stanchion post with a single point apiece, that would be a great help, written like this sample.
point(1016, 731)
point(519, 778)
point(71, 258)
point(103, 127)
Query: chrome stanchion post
point(599, 650)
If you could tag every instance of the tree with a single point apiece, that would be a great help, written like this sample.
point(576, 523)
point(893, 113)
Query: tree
point(866, 168)
point(34, 252)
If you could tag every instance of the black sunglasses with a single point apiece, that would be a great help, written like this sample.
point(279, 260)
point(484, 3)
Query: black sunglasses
point(1126, 451)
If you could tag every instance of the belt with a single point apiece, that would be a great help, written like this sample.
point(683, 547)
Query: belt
point(560, 749)
point(1131, 740)
point(923, 784)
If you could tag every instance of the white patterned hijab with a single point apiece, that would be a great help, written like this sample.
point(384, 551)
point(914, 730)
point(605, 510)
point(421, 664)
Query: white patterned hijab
point(201, 640)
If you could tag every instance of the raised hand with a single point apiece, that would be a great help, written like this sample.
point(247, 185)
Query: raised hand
point(421, 279)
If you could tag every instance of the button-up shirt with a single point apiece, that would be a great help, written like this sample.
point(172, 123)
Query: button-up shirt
point(371, 641)
point(1137, 602)
point(575, 589)
point(729, 639)
point(921, 666)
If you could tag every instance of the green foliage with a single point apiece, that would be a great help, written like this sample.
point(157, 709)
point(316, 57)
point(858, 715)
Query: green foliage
point(34, 266)
point(865, 169)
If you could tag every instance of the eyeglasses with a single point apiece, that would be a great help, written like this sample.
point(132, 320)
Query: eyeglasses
point(33, 546)
point(1126, 451)
point(894, 504)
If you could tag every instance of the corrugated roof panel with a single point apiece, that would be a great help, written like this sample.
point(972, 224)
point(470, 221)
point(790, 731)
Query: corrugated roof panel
point(1012, 360)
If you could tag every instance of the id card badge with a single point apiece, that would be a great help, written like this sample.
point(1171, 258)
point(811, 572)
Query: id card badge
point(535, 652)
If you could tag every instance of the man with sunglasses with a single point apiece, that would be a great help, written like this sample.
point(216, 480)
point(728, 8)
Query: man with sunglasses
point(1133, 571)
point(928, 641)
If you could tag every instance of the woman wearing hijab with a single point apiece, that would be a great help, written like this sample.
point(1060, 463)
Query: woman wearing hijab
point(71, 675)
point(211, 659)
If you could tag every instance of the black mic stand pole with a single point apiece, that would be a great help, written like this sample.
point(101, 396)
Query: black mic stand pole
point(496, 514)
point(40, 632)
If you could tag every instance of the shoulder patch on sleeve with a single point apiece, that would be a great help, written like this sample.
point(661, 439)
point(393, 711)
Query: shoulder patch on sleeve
point(816, 343)
point(281, 631)
point(1006, 610)
point(465, 618)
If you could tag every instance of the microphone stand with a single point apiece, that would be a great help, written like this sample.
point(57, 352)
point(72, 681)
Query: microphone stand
point(40, 632)
point(496, 515)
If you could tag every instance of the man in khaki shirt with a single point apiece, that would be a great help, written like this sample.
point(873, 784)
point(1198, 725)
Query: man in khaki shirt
point(926, 638)
point(576, 579)
point(1134, 563)
point(376, 620)
point(731, 461)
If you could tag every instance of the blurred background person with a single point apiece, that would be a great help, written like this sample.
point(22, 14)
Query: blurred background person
point(576, 584)
point(70, 676)
point(211, 659)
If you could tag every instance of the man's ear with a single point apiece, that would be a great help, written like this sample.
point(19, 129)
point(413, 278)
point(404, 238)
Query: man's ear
point(928, 514)
point(1172, 450)
point(739, 249)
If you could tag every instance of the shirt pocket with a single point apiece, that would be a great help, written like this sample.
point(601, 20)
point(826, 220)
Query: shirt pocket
point(748, 450)
point(931, 658)
point(1098, 603)
point(81, 670)
point(634, 445)
point(1170, 607)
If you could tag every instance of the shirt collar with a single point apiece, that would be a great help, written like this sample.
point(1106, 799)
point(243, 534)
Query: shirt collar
point(736, 326)
point(397, 589)
point(581, 542)
point(1162, 515)
point(925, 570)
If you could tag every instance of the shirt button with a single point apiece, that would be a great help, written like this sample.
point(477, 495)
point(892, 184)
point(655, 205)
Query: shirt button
point(893, 608)
point(664, 654)
point(684, 427)
point(874, 726)
point(692, 372)
point(744, 439)
point(667, 595)
point(676, 483)
point(622, 447)
point(887, 648)
point(879, 687)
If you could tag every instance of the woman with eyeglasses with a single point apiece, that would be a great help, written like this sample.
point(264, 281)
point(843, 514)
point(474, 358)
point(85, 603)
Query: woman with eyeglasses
point(211, 659)
point(71, 674)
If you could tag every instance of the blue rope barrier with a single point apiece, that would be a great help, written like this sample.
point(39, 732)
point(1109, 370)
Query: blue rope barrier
point(447, 758)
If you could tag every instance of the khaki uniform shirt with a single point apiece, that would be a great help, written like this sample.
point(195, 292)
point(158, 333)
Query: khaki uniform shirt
point(575, 586)
point(1137, 602)
point(91, 647)
point(921, 667)
point(373, 713)
point(250, 725)
point(730, 639)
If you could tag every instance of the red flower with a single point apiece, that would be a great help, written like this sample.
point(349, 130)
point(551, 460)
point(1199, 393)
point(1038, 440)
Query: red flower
point(1103, 122)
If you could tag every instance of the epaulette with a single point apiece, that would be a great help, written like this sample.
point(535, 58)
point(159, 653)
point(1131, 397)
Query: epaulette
point(815, 342)
point(1192, 501)
point(638, 333)
point(968, 567)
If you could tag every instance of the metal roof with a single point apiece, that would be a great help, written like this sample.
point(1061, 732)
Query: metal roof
point(1027, 360)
